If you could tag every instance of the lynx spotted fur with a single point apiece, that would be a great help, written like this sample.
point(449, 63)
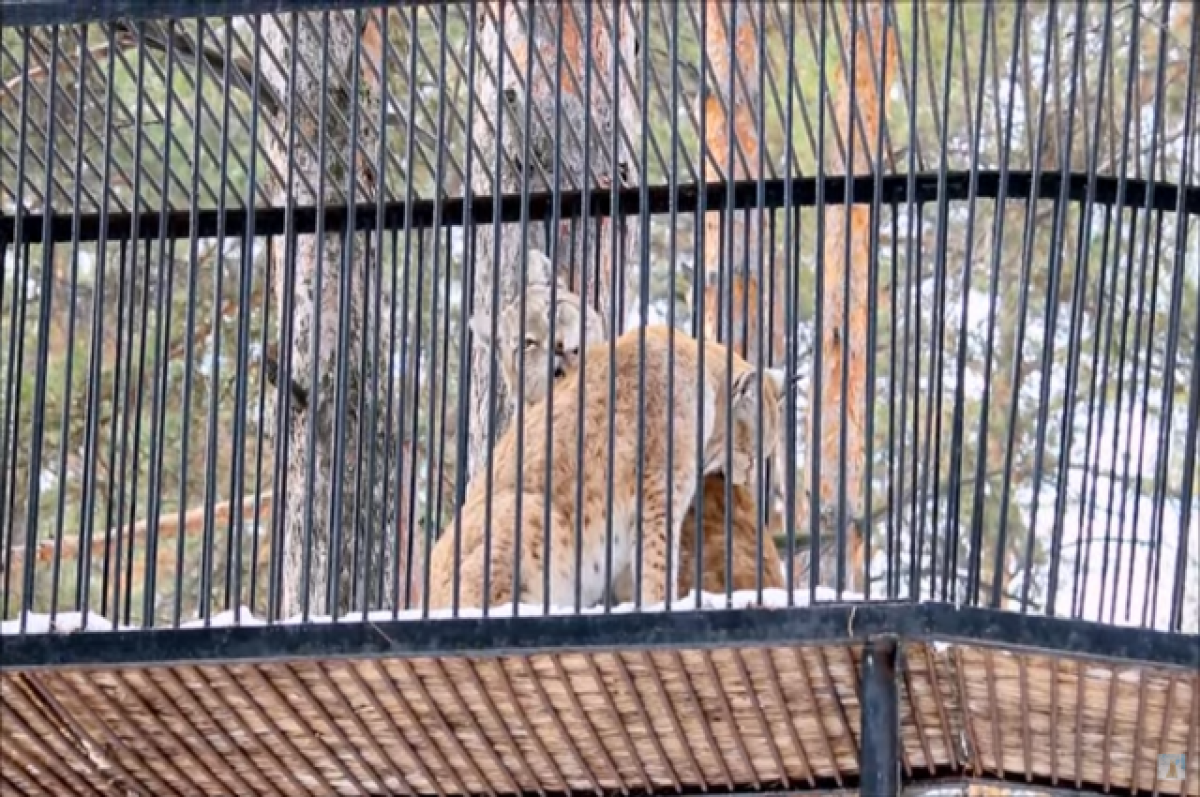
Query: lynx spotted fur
point(578, 326)
point(736, 394)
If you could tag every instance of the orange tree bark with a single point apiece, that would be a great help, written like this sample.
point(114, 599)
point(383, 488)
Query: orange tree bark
point(842, 352)
point(731, 47)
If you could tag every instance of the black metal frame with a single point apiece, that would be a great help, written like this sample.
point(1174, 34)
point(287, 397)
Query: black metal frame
point(880, 628)
point(826, 624)
point(31, 13)
point(776, 194)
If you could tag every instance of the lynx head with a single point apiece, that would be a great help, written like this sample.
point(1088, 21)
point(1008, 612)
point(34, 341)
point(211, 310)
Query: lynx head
point(576, 325)
point(742, 404)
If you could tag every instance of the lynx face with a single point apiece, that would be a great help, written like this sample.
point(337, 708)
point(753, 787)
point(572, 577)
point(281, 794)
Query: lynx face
point(576, 326)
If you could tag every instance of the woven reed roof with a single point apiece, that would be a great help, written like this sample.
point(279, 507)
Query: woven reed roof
point(725, 720)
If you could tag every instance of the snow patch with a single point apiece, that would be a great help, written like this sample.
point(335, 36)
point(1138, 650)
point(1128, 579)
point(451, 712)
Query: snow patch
point(69, 622)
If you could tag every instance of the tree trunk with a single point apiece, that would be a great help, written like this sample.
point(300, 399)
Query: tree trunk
point(504, 33)
point(326, 571)
point(844, 346)
point(731, 312)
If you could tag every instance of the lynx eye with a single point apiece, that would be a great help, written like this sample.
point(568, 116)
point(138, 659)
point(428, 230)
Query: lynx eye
point(530, 343)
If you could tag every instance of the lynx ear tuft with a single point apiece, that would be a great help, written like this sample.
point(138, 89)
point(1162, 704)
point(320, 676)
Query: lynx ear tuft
point(743, 392)
point(777, 377)
point(481, 326)
point(539, 269)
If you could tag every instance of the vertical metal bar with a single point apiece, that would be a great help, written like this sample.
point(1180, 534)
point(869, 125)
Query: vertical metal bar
point(585, 221)
point(142, 323)
point(447, 286)
point(1078, 303)
point(360, 555)
point(699, 277)
point(764, 334)
point(851, 75)
point(1175, 622)
point(643, 280)
point(7, 543)
point(552, 249)
point(434, 521)
point(233, 556)
point(162, 319)
point(16, 333)
point(518, 398)
point(814, 410)
point(208, 552)
point(879, 760)
point(866, 518)
point(791, 279)
point(725, 267)
point(1050, 327)
point(314, 344)
point(464, 415)
point(931, 469)
point(1015, 369)
point(1156, 132)
point(958, 422)
point(45, 302)
point(493, 320)
point(283, 393)
point(615, 283)
point(265, 323)
point(895, 489)
point(373, 265)
point(977, 502)
point(190, 323)
point(1122, 180)
point(1131, 271)
point(20, 303)
point(672, 251)
point(403, 490)
point(337, 527)
point(910, 319)
point(65, 420)
point(414, 418)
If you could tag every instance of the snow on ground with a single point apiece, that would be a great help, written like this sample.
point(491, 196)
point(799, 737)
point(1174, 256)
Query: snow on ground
point(70, 622)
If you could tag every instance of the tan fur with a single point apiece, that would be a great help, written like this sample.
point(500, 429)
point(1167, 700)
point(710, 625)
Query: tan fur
point(743, 528)
point(736, 395)
point(576, 325)
point(743, 522)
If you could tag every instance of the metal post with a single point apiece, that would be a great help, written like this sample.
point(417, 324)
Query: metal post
point(879, 763)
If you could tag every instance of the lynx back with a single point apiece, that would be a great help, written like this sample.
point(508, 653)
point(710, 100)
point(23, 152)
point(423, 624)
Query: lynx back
point(597, 519)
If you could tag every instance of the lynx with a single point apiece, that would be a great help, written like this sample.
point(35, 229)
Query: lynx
point(736, 394)
point(743, 529)
point(576, 326)
point(572, 313)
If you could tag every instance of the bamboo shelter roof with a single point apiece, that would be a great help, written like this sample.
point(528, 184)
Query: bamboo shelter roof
point(723, 720)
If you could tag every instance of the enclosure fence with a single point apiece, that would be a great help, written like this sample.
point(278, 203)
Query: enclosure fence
point(770, 347)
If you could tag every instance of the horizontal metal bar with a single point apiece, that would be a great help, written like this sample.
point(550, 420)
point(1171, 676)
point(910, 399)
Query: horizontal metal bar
point(686, 198)
point(32, 13)
point(826, 624)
